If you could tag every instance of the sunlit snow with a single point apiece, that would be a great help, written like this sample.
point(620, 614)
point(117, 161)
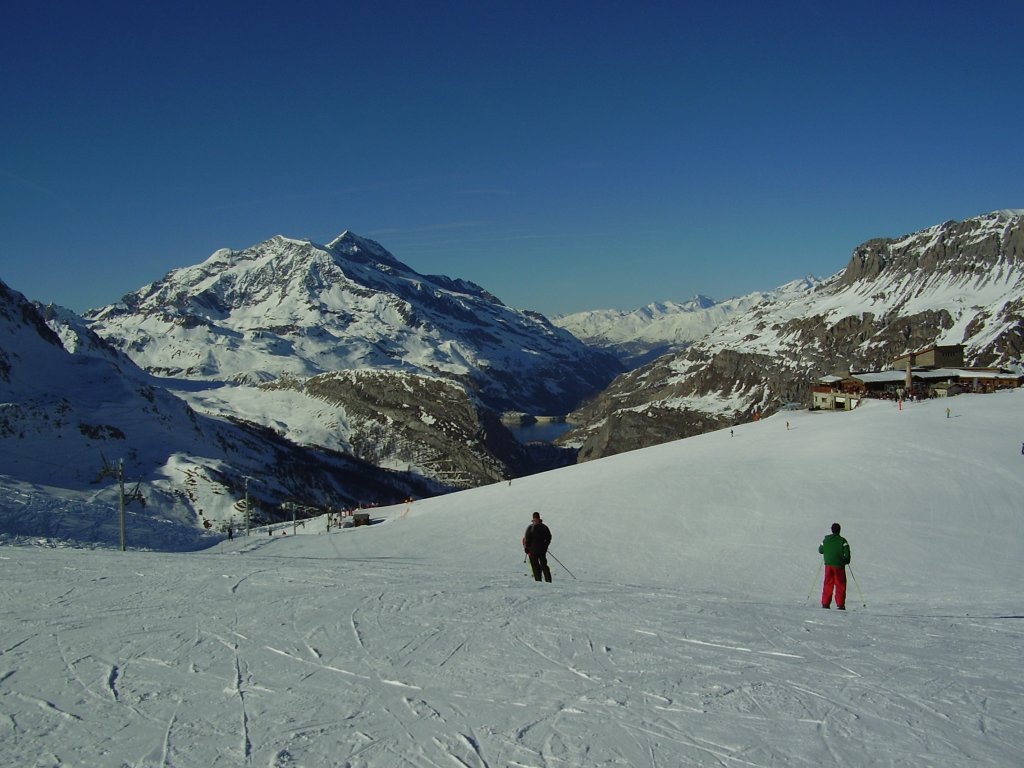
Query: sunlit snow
point(687, 633)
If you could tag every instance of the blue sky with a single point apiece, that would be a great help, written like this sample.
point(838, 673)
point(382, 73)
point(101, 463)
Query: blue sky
point(565, 156)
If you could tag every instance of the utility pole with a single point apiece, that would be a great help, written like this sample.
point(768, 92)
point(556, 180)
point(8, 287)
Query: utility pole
point(120, 481)
point(122, 497)
point(248, 519)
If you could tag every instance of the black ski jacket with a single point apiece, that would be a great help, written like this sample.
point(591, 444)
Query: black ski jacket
point(536, 538)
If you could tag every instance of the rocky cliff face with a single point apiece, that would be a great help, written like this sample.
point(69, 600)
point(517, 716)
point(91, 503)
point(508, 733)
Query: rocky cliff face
point(955, 283)
point(417, 423)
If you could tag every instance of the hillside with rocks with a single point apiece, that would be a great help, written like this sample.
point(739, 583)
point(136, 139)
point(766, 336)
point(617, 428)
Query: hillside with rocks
point(954, 283)
point(77, 417)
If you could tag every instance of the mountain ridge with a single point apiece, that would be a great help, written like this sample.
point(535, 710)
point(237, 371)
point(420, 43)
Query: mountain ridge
point(953, 283)
point(291, 307)
point(641, 335)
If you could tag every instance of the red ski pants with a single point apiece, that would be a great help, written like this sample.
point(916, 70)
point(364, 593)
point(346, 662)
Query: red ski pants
point(835, 579)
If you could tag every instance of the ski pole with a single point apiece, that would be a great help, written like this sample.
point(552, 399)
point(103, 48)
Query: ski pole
point(817, 574)
point(560, 563)
point(857, 583)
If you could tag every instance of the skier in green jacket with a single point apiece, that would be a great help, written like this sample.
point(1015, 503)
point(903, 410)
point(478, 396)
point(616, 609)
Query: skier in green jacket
point(836, 551)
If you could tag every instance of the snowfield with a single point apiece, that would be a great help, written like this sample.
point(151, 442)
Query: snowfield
point(688, 632)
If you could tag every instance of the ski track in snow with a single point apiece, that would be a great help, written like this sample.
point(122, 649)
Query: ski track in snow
point(437, 676)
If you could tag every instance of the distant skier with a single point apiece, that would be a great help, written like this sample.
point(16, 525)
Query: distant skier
point(535, 545)
point(836, 551)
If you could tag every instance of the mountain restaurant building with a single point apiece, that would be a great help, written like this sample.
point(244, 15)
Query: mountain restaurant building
point(936, 371)
point(844, 393)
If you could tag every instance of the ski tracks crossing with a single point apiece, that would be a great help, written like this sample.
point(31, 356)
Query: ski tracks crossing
point(286, 662)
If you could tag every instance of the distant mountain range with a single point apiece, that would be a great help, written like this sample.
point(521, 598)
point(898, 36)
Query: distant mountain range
point(334, 374)
point(638, 336)
point(954, 283)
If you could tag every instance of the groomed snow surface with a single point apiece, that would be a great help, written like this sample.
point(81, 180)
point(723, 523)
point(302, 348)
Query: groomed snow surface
point(691, 634)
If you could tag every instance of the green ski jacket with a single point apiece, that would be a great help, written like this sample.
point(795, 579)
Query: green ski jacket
point(836, 550)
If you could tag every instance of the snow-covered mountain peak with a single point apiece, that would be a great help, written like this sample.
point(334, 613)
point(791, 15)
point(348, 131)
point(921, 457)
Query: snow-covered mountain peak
point(700, 301)
point(296, 308)
point(353, 245)
point(69, 402)
point(1008, 213)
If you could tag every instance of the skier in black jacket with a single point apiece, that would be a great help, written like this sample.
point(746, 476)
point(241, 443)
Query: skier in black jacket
point(535, 544)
